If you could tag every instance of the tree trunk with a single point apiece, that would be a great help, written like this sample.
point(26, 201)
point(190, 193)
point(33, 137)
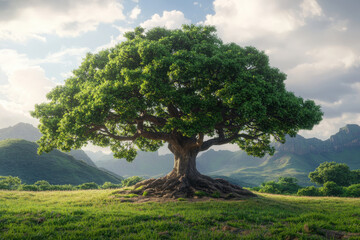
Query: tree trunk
point(185, 180)
point(185, 164)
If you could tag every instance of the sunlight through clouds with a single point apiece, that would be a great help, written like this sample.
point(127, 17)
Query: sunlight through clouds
point(68, 19)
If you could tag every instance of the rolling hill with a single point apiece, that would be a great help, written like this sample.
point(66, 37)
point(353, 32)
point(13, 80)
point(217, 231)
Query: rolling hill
point(20, 158)
point(28, 132)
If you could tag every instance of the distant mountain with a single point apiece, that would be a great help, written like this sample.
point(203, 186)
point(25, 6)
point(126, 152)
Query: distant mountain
point(297, 157)
point(348, 136)
point(24, 131)
point(28, 132)
point(146, 164)
point(20, 158)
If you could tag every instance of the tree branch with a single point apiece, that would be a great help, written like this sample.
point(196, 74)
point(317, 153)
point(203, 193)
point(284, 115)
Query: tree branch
point(222, 140)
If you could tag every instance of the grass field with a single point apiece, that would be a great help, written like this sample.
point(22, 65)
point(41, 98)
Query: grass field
point(101, 214)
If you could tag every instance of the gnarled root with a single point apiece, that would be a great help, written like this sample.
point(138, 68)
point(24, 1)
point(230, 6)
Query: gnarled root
point(182, 186)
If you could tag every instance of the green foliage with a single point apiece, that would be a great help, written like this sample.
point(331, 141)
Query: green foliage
point(332, 189)
point(215, 194)
point(338, 173)
point(309, 191)
point(200, 194)
point(27, 187)
point(164, 83)
point(90, 185)
point(270, 187)
point(353, 190)
point(9, 182)
point(288, 185)
point(109, 185)
point(355, 176)
point(43, 185)
point(131, 181)
point(285, 185)
point(145, 193)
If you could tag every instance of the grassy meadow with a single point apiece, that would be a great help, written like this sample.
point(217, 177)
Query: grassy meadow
point(103, 214)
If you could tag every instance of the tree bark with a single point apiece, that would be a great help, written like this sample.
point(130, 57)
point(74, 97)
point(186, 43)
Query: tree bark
point(185, 180)
point(184, 164)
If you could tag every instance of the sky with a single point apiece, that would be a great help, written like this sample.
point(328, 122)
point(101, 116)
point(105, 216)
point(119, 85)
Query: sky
point(315, 42)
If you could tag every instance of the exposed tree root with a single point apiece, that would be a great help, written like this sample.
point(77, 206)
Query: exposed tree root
point(185, 187)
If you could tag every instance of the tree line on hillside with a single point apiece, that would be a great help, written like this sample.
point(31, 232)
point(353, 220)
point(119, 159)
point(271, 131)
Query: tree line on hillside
point(334, 179)
point(15, 183)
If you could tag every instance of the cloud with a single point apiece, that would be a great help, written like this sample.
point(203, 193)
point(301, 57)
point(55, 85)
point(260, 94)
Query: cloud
point(135, 12)
point(9, 118)
point(26, 85)
point(311, 8)
point(64, 54)
point(319, 76)
point(245, 20)
point(170, 20)
point(25, 88)
point(22, 20)
point(115, 40)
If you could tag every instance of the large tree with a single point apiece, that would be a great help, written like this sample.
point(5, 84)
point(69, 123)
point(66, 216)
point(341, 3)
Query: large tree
point(183, 87)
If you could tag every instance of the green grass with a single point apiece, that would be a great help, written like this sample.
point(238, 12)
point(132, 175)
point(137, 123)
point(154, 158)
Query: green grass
point(100, 214)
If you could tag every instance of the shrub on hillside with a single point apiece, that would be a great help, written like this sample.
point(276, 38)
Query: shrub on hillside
point(132, 181)
point(66, 187)
point(338, 173)
point(332, 189)
point(285, 185)
point(90, 185)
point(309, 191)
point(352, 190)
point(270, 187)
point(26, 187)
point(109, 185)
point(9, 182)
point(355, 176)
point(43, 185)
point(288, 185)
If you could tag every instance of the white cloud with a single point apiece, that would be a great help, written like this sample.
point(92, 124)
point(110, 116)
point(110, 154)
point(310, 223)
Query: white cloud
point(65, 18)
point(26, 85)
point(324, 63)
point(115, 40)
point(10, 60)
point(330, 126)
point(135, 12)
point(170, 20)
point(310, 8)
point(242, 20)
point(62, 55)
point(9, 118)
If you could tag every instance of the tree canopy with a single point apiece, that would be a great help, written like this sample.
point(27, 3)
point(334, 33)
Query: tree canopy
point(184, 86)
point(338, 173)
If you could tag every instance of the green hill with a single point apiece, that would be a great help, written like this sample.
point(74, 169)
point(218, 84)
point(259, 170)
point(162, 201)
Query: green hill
point(28, 132)
point(20, 158)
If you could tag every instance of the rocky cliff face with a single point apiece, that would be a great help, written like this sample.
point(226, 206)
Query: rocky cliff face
point(348, 136)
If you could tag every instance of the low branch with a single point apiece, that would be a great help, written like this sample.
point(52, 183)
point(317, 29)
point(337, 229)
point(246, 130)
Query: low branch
point(223, 140)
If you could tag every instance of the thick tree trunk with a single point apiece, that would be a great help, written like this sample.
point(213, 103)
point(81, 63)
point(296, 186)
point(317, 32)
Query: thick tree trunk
point(184, 164)
point(185, 180)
